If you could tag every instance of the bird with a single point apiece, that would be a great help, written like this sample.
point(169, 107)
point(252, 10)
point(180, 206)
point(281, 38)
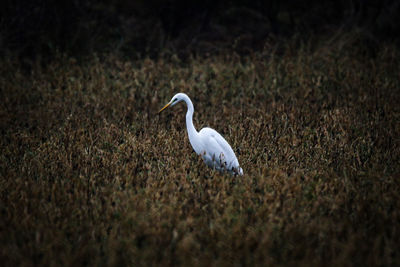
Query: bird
point(208, 143)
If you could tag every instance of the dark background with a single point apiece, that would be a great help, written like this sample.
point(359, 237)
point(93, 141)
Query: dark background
point(305, 92)
point(30, 29)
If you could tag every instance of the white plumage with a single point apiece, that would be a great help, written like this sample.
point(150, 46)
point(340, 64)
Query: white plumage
point(208, 143)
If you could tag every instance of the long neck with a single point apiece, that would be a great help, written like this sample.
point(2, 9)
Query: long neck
point(189, 117)
point(192, 133)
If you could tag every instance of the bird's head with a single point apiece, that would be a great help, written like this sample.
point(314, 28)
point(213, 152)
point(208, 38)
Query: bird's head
point(175, 100)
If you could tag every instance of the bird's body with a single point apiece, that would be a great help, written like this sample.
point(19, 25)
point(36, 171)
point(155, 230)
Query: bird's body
point(214, 149)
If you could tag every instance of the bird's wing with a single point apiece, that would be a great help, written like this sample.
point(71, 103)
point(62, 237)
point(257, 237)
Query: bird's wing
point(216, 144)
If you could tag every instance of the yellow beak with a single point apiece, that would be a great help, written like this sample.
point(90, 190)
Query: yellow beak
point(167, 105)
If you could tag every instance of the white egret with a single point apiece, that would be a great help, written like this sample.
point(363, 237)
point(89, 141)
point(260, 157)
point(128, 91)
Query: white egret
point(208, 143)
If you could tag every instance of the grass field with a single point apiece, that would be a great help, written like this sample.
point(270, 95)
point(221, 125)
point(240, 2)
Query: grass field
point(92, 175)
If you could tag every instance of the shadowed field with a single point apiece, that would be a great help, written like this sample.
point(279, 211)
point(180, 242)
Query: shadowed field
point(92, 175)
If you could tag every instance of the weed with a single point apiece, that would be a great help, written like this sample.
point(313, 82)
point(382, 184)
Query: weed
point(91, 175)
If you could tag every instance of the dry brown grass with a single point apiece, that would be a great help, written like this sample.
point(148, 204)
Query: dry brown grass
point(92, 175)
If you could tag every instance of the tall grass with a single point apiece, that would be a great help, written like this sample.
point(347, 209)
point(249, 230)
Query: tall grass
point(92, 175)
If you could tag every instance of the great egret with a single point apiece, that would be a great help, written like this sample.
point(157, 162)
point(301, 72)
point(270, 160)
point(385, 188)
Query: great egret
point(208, 143)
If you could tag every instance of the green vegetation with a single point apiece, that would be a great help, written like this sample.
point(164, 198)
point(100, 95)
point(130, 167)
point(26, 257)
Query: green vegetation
point(92, 175)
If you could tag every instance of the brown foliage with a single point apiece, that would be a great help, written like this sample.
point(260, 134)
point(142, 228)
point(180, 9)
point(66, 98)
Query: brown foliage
point(92, 175)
